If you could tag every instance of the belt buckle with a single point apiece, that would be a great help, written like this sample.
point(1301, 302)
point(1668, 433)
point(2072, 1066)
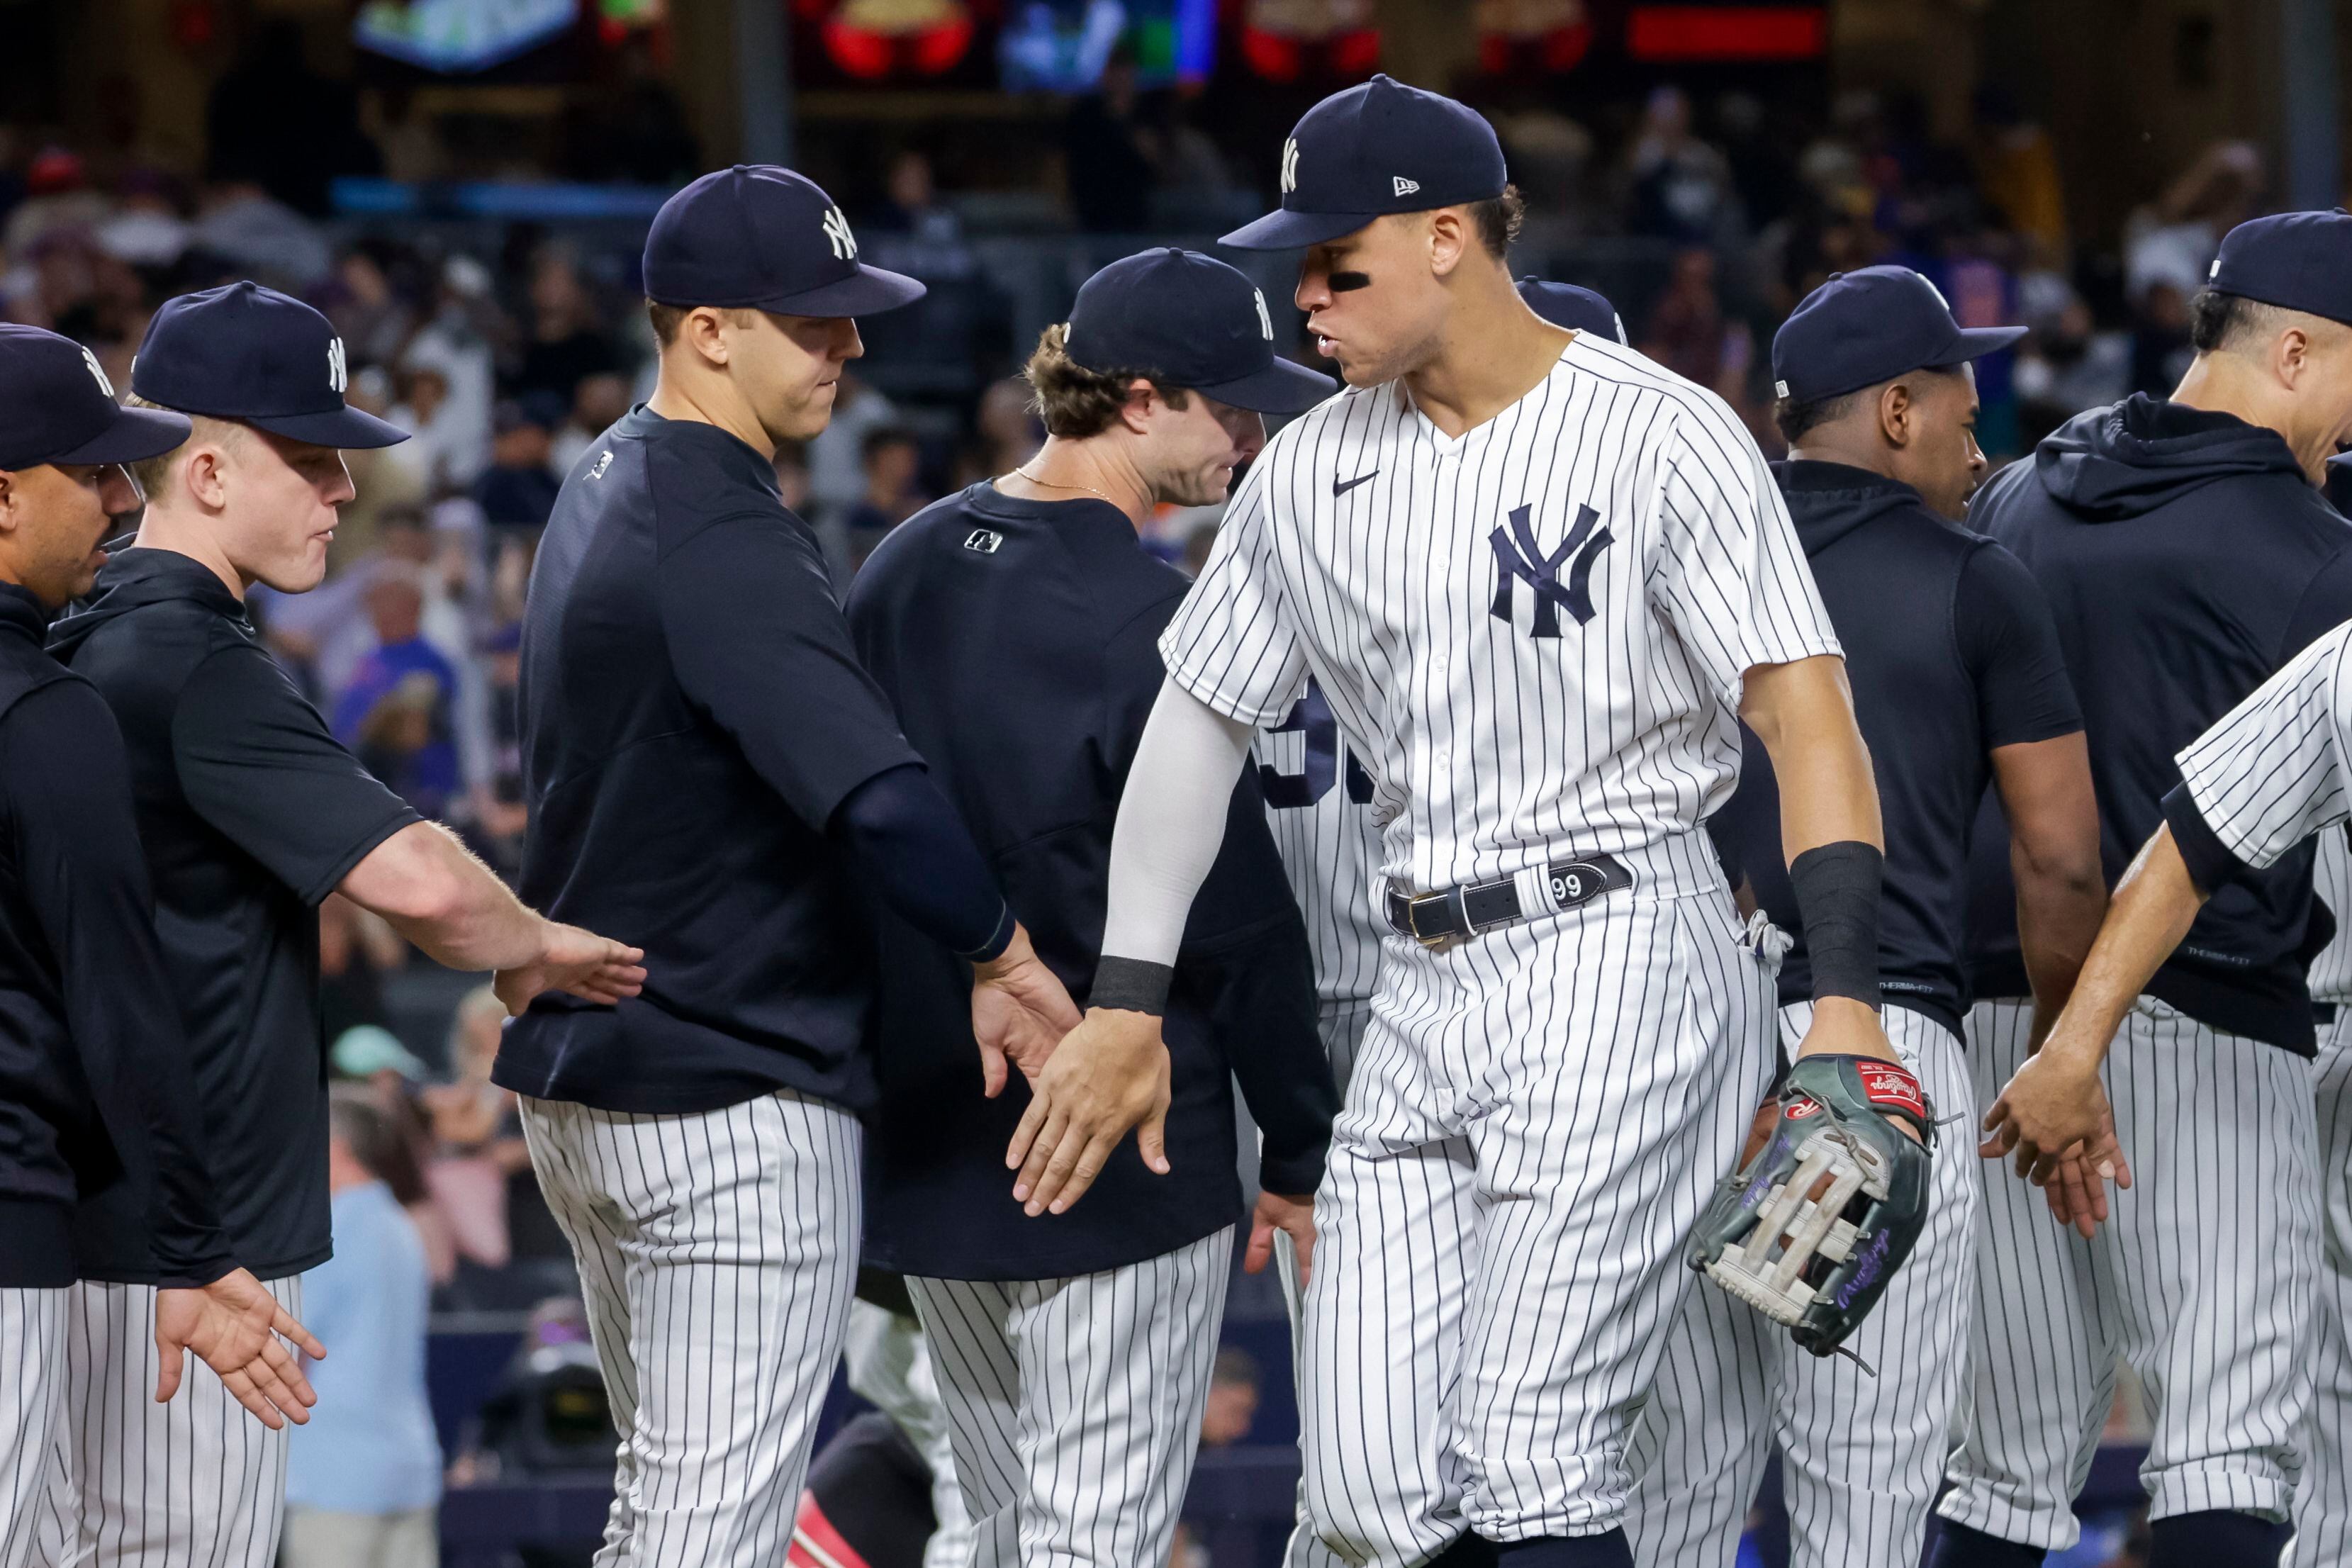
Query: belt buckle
point(1413, 908)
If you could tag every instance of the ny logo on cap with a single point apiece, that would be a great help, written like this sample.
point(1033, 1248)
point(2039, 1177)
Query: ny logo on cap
point(1290, 165)
point(1405, 187)
point(1523, 560)
point(1265, 322)
point(837, 229)
point(98, 372)
point(339, 376)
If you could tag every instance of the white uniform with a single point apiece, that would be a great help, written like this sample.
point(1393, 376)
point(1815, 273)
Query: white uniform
point(2237, 1179)
point(32, 1398)
point(1862, 1455)
point(2322, 1504)
point(1534, 633)
point(197, 1483)
point(718, 1252)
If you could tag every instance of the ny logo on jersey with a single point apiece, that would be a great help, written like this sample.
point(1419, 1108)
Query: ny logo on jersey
point(837, 230)
point(339, 376)
point(1290, 165)
point(1517, 554)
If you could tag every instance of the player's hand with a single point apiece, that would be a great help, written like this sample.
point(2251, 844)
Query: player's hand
point(1109, 1075)
point(234, 1325)
point(1279, 1211)
point(1843, 1026)
point(593, 968)
point(2054, 1117)
point(1020, 1011)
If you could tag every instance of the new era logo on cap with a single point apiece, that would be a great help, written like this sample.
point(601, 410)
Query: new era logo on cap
point(1405, 187)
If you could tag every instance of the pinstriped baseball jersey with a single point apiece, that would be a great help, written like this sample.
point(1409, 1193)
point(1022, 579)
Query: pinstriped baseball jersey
point(1533, 633)
point(1318, 801)
point(2274, 771)
point(2331, 882)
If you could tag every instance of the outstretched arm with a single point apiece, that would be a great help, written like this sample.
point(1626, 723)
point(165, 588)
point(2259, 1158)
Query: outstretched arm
point(1111, 1073)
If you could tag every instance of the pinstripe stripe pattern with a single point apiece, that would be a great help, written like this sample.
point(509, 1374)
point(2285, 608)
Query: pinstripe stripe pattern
point(1330, 846)
point(1074, 1404)
point(888, 1358)
point(2322, 1504)
point(1489, 744)
point(1535, 1121)
point(717, 1252)
point(2273, 771)
point(1862, 1457)
point(2204, 1279)
point(197, 1483)
point(32, 1400)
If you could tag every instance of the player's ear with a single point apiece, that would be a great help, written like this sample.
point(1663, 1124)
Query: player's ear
point(1450, 234)
point(1135, 412)
point(12, 503)
point(1897, 413)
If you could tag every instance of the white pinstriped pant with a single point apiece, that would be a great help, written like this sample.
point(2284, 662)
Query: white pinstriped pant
point(197, 1483)
point(1074, 1404)
point(1535, 1122)
point(718, 1252)
point(2204, 1279)
point(2323, 1503)
point(32, 1401)
point(1862, 1455)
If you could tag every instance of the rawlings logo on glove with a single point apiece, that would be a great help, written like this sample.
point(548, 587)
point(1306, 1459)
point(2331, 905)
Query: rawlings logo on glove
point(1810, 1229)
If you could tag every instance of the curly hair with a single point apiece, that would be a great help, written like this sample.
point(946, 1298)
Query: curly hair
point(1075, 401)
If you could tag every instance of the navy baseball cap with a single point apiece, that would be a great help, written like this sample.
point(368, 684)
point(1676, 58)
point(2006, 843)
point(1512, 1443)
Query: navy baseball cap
point(1871, 325)
point(761, 237)
point(253, 355)
point(56, 406)
point(1189, 320)
point(1373, 150)
point(1577, 310)
point(2298, 261)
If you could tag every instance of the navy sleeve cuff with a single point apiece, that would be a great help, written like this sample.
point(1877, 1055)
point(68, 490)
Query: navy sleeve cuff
point(1294, 1176)
point(998, 940)
point(2211, 864)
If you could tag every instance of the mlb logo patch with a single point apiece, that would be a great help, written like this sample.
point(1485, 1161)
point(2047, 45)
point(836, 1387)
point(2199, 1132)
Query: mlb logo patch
point(984, 541)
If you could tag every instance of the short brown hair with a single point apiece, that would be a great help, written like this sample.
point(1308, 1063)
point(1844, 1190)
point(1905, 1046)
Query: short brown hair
point(666, 319)
point(153, 475)
point(1499, 219)
point(1075, 401)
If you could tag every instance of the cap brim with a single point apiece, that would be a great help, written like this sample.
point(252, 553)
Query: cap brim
point(1283, 229)
point(868, 291)
point(132, 436)
point(1978, 342)
point(1281, 387)
point(352, 429)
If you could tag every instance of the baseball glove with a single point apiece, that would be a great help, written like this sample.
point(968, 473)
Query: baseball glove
point(1815, 1224)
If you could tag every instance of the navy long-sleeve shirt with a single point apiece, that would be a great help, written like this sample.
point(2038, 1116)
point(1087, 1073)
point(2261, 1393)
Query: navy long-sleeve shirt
point(1018, 641)
point(95, 1089)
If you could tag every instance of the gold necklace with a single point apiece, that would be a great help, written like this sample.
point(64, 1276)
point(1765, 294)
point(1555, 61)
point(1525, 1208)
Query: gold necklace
point(1050, 485)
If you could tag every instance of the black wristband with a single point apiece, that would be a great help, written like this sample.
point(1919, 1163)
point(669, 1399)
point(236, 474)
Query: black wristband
point(1131, 986)
point(1836, 887)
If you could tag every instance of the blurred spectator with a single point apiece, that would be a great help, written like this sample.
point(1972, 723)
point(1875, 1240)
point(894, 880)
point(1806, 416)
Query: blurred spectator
point(273, 120)
point(262, 236)
point(518, 490)
point(373, 319)
point(596, 406)
point(357, 948)
point(445, 446)
point(568, 341)
point(1231, 1406)
point(499, 815)
point(893, 489)
point(1008, 426)
point(58, 196)
point(911, 231)
point(1678, 187)
point(1109, 171)
point(398, 714)
point(2171, 241)
point(386, 480)
point(2066, 364)
point(2017, 166)
point(836, 455)
point(364, 1477)
point(477, 1139)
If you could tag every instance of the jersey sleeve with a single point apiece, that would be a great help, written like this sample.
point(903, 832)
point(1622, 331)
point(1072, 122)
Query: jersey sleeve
point(1729, 576)
point(2272, 772)
point(2009, 642)
point(760, 645)
point(1234, 645)
point(256, 762)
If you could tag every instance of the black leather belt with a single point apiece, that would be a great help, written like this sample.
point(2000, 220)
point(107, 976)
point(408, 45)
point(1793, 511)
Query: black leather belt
point(1473, 907)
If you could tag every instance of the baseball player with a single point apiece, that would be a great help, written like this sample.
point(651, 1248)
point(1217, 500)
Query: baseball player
point(711, 775)
point(1318, 803)
point(1538, 579)
point(249, 814)
point(2323, 1503)
point(95, 1086)
point(1016, 628)
point(2187, 555)
point(1957, 681)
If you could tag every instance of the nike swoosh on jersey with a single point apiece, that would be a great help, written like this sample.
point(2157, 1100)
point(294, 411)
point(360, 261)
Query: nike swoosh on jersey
point(1340, 487)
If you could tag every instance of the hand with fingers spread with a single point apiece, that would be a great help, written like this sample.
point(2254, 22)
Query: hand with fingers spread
point(239, 1330)
point(1109, 1076)
point(1020, 1011)
point(2054, 1117)
point(1294, 1214)
point(591, 967)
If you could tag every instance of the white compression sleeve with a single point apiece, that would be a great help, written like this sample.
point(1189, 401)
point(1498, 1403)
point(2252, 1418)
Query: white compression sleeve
point(1171, 822)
